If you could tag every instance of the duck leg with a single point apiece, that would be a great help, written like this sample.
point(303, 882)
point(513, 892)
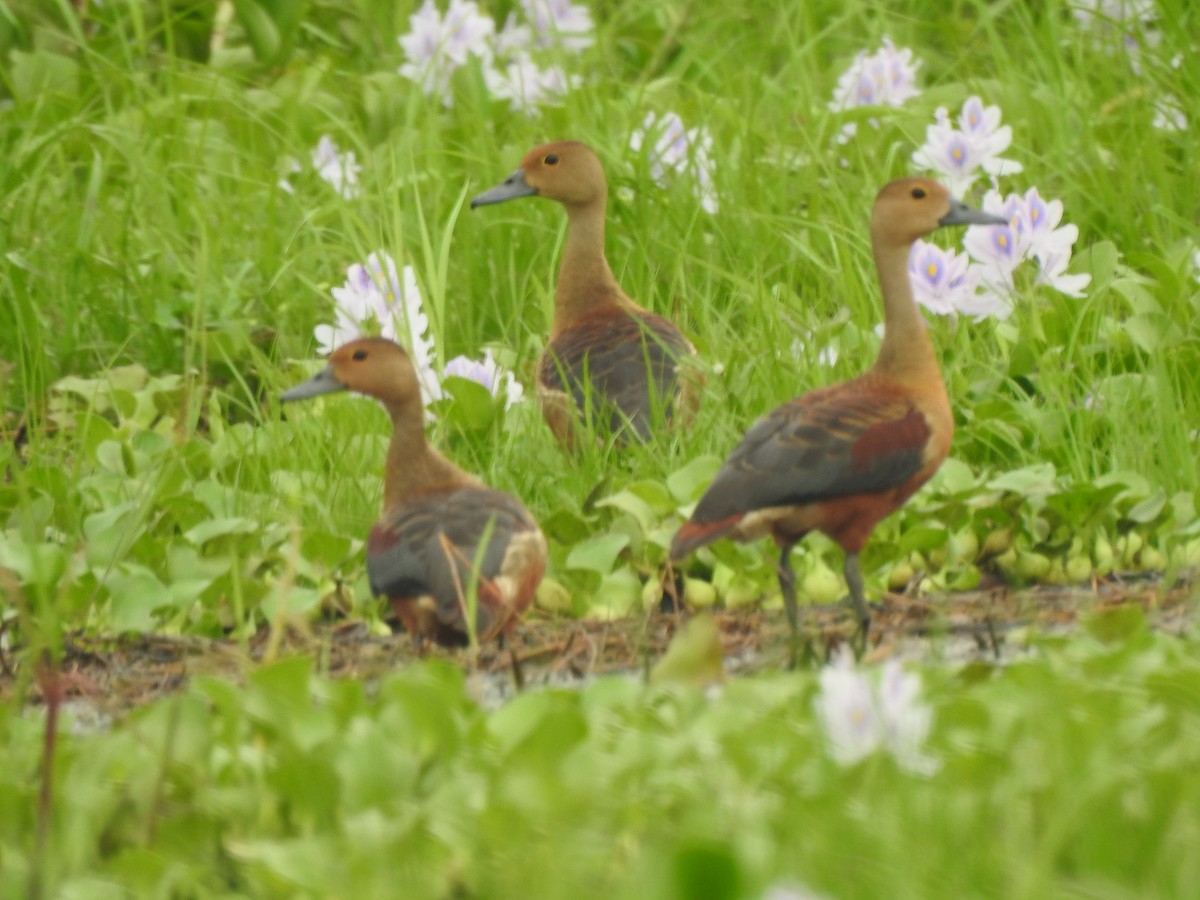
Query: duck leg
point(787, 584)
point(854, 581)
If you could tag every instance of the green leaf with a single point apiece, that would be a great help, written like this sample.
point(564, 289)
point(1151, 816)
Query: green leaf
point(1038, 478)
point(136, 594)
point(41, 74)
point(1153, 331)
point(688, 483)
point(261, 29)
point(220, 527)
point(469, 406)
point(597, 554)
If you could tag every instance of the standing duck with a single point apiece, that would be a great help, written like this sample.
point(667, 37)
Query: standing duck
point(422, 552)
point(607, 356)
point(840, 458)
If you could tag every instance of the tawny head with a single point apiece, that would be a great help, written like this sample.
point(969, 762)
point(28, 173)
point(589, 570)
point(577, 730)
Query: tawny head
point(566, 171)
point(911, 208)
point(372, 365)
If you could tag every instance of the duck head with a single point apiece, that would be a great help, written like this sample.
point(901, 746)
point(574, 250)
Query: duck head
point(566, 171)
point(373, 366)
point(911, 208)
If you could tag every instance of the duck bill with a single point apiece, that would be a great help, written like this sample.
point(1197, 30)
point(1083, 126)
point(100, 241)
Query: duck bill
point(511, 188)
point(324, 382)
point(961, 214)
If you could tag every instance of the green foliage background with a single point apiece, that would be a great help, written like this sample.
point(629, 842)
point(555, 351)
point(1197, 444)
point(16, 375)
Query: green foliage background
point(160, 290)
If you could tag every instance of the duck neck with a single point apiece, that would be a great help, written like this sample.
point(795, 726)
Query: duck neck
point(907, 352)
point(413, 465)
point(585, 281)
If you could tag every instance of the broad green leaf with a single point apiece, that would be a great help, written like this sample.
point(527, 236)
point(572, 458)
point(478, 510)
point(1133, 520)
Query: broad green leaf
point(597, 554)
point(688, 483)
point(220, 527)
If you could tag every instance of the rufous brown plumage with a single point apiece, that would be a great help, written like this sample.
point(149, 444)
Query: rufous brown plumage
point(423, 551)
point(608, 359)
point(840, 458)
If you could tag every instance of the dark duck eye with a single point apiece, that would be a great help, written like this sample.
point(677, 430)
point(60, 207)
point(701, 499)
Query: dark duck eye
point(918, 193)
point(359, 355)
point(551, 159)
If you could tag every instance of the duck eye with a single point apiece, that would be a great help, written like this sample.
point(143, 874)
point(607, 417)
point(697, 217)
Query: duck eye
point(359, 355)
point(918, 193)
point(551, 159)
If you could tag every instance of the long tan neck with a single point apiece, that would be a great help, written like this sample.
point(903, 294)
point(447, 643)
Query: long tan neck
point(906, 354)
point(585, 281)
point(413, 465)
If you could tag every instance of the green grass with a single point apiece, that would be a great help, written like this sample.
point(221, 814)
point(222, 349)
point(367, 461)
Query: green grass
point(160, 291)
point(1068, 774)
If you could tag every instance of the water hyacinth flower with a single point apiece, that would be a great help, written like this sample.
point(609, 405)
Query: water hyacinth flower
point(860, 717)
point(1033, 231)
point(338, 169)
point(437, 45)
point(672, 147)
point(488, 373)
point(942, 280)
point(887, 77)
point(525, 85)
point(1131, 20)
point(958, 154)
point(560, 23)
point(1169, 114)
point(377, 292)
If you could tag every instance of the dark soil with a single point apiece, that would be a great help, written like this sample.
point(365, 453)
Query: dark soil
point(113, 674)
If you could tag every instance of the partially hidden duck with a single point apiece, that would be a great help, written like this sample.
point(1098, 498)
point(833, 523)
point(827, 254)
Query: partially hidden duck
point(607, 357)
point(840, 458)
point(421, 552)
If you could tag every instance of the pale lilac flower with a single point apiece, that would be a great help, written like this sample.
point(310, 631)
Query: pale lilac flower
point(827, 355)
point(1033, 231)
point(859, 718)
point(560, 23)
point(489, 374)
point(1052, 272)
point(338, 169)
point(377, 292)
point(1169, 114)
point(846, 708)
point(1132, 21)
point(525, 85)
point(906, 721)
point(677, 148)
point(437, 45)
point(887, 77)
point(957, 154)
point(941, 279)
point(288, 166)
point(1196, 264)
point(513, 38)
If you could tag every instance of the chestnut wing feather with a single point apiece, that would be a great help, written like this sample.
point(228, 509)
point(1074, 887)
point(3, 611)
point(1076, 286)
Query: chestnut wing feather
point(627, 364)
point(827, 444)
point(405, 553)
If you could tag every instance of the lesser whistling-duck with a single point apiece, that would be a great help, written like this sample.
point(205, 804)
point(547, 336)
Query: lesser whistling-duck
point(422, 551)
point(840, 458)
point(607, 355)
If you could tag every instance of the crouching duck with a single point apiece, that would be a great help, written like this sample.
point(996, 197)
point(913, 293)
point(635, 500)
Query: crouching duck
point(422, 552)
point(840, 458)
point(608, 359)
